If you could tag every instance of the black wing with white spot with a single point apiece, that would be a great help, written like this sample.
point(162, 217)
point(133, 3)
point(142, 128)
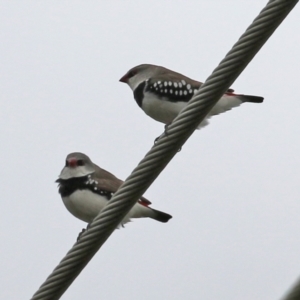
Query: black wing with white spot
point(93, 185)
point(174, 90)
point(68, 186)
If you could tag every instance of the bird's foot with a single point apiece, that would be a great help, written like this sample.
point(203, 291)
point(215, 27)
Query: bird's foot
point(80, 234)
point(156, 140)
point(82, 231)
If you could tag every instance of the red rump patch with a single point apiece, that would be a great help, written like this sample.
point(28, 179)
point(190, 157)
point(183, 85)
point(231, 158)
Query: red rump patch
point(230, 92)
point(145, 203)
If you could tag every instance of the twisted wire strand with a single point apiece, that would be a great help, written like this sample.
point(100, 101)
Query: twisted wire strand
point(294, 292)
point(167, 146)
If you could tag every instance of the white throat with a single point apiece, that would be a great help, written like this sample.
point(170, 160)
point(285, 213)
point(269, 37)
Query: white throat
point(134, 81)
point(79, 171)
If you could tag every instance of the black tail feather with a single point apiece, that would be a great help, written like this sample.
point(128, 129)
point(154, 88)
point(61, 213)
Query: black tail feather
point(253, 99)
point(160, 216)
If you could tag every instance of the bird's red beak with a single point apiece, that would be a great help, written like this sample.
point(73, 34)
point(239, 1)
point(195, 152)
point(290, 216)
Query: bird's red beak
point(124, 79)
point(72, 162)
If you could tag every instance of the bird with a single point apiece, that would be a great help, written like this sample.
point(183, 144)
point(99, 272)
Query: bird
point(162, 93)
point(85, 189)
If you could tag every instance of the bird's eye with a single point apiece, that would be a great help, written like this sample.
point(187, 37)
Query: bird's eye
point(80, 162)
point(67, 163)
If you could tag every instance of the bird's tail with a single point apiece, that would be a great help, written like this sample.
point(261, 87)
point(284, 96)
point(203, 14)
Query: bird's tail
point(160, 216)
point(249, 98)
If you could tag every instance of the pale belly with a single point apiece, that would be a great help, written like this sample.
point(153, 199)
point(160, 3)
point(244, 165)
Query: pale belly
point(165, 111)
point(161, 110)
point(86, 205)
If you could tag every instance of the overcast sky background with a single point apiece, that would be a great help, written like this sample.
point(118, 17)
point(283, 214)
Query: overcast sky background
point(233, 190)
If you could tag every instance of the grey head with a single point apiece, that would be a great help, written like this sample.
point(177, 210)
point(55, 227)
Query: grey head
point(144, 72)
point(77, 165)
point(139, 74)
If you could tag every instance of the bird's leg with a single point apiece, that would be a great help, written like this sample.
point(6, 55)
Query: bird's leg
point(166, 134)
point(166, 129)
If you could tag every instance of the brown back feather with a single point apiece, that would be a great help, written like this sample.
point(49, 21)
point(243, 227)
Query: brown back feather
point(109, 182)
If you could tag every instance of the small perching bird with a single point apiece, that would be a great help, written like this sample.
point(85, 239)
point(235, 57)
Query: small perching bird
point(86, 188)
point(162, 93)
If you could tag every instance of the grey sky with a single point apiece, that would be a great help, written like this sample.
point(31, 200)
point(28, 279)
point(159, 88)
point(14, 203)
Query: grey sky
point(233, 190)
